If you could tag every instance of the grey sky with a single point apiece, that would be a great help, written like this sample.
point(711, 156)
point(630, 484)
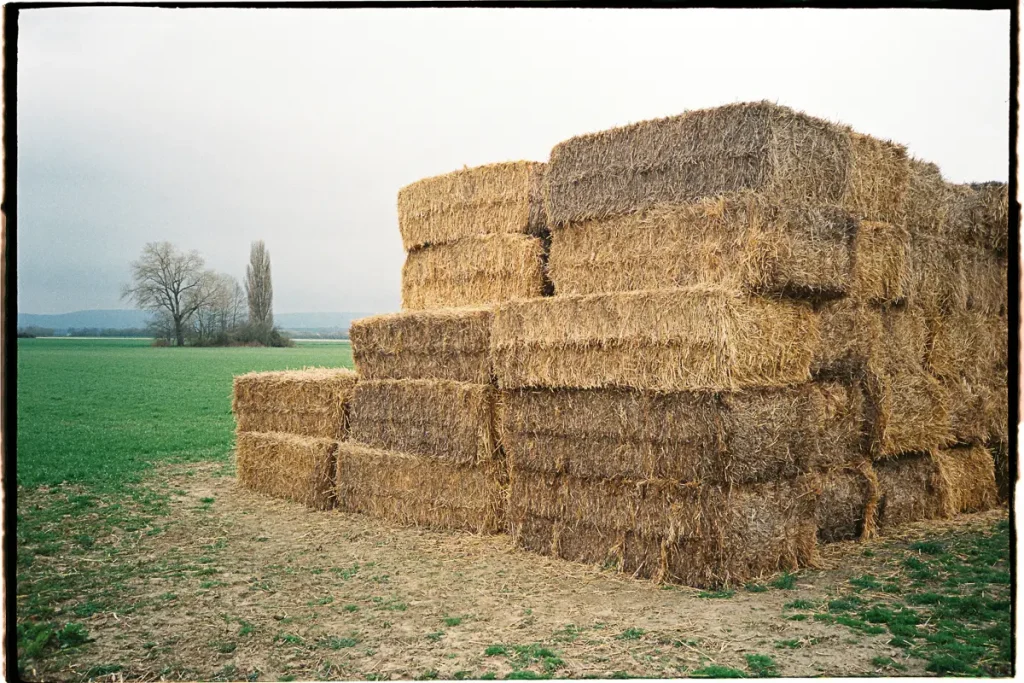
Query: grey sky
point(212, 128)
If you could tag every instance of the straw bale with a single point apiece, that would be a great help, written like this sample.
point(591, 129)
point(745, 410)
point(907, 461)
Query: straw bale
point(846, 504)
point(311, 402)
point(698, 535)
point(946, 277)
point(474, 271)
point(740, 241)
point(690, 339)
point(451, 421)
point(968, 479)
point(939, 483)
point(909, 490)
point(610, 433)
point(496, 198)
point(297, 468)
point(981, 215)
point(850, 333)
point(756, 146)
point(411, 491)
point(452, 344)
point(880, 254)
point(1001, 464)
point(927, 202)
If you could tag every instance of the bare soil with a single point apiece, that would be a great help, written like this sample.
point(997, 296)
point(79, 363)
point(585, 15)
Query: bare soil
point(246, 587)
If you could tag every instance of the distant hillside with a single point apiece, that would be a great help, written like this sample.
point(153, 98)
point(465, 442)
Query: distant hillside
point(116, 318)
point(125, 318)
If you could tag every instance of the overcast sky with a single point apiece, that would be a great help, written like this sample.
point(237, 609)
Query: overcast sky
point(213, 128)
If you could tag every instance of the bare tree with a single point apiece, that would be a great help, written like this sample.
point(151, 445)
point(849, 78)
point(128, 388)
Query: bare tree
point(165, 280)
point(222, 312)
point(258, 289)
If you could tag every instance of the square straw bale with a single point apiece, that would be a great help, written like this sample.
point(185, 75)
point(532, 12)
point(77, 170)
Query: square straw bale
point(756, 146)
point(740, 241)
point(773, 434)
point(947, 277)
point(610, 433)
point(697, 535)
point(937, 484)
point(927, 207)
point(474, 271)
point(847, 504)
point(850, 334)
point(496, 198)
point(297, 468)
point(412, 491)
point(451, 421)
point(311, 402)
point(688, 339)
point(1005, 480)
point(980, 216)
point(452, 344)
point(880, 254)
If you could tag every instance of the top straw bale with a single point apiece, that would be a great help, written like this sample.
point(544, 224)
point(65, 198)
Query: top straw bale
point(497, 198)
point(757, 146)
point(311, 402)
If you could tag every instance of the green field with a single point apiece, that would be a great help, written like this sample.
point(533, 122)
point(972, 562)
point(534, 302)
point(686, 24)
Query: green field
point(100, 411)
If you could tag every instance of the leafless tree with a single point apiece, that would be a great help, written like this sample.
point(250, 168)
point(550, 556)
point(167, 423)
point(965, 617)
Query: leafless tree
point(222, 312)
point(165, 280)
point(258, 289)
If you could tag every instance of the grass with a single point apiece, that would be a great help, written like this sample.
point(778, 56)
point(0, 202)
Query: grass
point(101, 411)
point(948, 603)
point(93, 415)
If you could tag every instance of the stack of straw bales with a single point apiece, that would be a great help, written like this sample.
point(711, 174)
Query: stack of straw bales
point(289, 426)
point(694, 348)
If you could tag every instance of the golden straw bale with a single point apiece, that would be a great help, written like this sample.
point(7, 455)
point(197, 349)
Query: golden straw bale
point(298, 468)
point(474, 271)
point(947, 277)
point(412, 491)
point(441, 419)
point(928, 203)
point(690, 339)
point(740, 241)
point(451, 344)
point(880, 254)
point(311, 402)
point(496, 198)
point(697, 535)
point(968, 479)
point(756, 146)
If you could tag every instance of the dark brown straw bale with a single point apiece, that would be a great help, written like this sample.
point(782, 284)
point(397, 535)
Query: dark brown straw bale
point(297, 468)
point(610, 433)
point(741, 241)
point(910, 489)
point(1001, 465)
point(452, 344)
point(310, 402)
point(474, 271)
point(496, 198)
point(451, 421)
point(846, 503)
point(411, 491)
point(880, 256)
point(698, 535)
point(850, 333)
point(690, 339)
point(773, 434)
point(980, 215)
point(755, 146)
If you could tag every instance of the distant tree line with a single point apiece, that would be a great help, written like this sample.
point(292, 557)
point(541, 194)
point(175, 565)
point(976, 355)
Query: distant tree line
point(36, 331)
point(195, 306)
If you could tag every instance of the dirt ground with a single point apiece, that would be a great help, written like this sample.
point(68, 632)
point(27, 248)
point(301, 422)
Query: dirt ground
point(247, 587)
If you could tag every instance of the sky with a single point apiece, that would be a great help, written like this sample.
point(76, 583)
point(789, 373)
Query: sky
point(211, 128)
